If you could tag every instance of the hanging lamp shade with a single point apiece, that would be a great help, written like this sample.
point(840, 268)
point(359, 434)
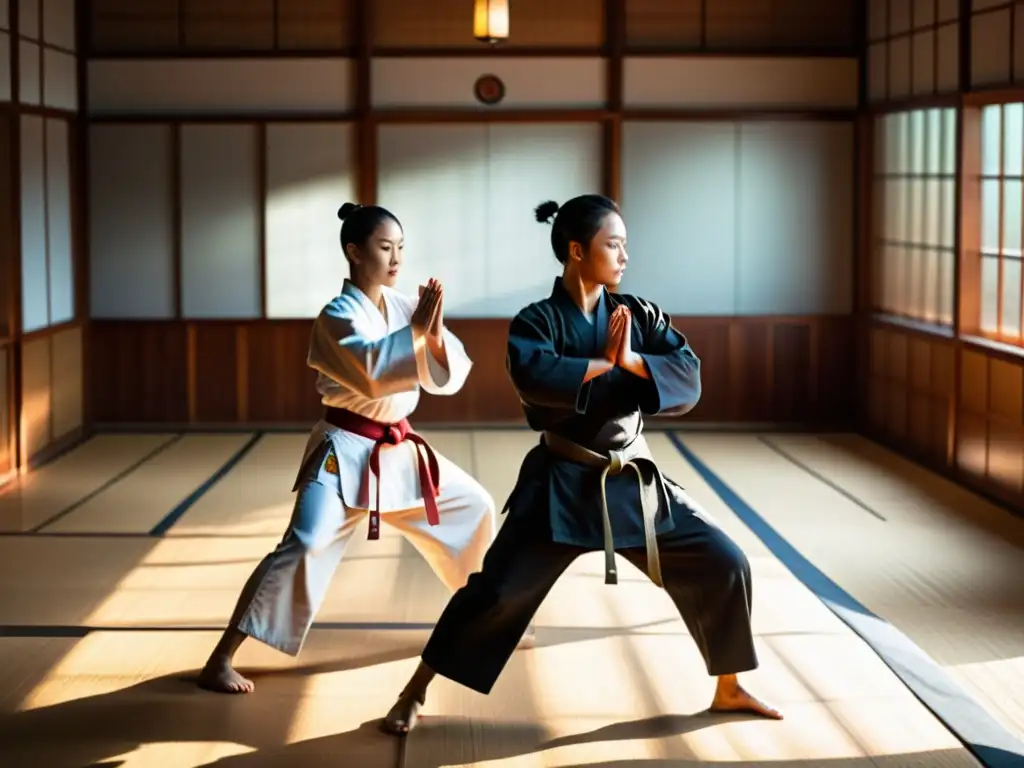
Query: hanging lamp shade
point(490, 20)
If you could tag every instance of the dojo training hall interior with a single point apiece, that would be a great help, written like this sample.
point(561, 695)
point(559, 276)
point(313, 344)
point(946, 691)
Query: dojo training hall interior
point(826, 195)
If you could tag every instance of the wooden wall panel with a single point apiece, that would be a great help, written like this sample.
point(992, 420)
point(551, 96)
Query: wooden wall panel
point(152, 25)
point(213, 372)
point(167, 27)
point(732, 24)
point(280, 386)
point(36, 395)
point(52, 402)
point(66, 382)
point(971, 428)
point(220, 86)
point(911, 386)
point(991, 432)
point(755, 370)
point(139, 372)
point(727, 82)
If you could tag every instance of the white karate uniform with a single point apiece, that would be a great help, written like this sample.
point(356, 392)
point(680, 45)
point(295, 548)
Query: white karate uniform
point(375, 368)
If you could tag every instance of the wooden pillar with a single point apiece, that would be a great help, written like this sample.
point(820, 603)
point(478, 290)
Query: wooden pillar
point(18, 449)
point(365, 133)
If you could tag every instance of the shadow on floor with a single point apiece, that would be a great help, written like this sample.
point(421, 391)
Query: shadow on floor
point(97, 730)
point(440, 743)
point(100, 730)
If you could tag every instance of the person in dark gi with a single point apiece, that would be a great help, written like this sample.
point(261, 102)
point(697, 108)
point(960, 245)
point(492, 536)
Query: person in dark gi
point(587, 364)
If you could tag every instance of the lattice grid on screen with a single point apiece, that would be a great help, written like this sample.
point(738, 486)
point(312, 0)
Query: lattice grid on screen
point(915, 215)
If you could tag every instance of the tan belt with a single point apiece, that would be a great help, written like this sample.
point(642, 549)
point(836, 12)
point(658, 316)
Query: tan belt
point(615, 463)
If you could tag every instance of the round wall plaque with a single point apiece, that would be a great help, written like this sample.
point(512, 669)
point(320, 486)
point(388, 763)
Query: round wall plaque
point(489, 89)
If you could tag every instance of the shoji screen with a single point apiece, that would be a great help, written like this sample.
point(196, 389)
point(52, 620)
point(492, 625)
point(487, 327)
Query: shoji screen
point(466, 194)
point(711, 232)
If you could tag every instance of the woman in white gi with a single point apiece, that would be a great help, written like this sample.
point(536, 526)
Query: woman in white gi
point(373, 349)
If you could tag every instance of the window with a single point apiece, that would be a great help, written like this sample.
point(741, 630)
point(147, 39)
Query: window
point(915, 213)
point(1002, 176)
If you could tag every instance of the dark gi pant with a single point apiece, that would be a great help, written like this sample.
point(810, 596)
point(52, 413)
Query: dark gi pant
point(705, 573)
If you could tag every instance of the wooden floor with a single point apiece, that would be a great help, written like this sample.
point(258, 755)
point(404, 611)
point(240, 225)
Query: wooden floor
point(120, 561)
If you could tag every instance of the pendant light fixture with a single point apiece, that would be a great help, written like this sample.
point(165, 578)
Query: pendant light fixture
point(490, 21)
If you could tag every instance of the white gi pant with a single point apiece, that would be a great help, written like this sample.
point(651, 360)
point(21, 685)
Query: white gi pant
point(279, 602)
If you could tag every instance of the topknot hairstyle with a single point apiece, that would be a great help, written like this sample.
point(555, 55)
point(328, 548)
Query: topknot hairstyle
point(361, 221)
point(576, 221)
point(545, 212)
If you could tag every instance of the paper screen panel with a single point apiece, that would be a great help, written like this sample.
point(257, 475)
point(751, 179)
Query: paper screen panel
point(30, 83)
point(528, 164)
point(795, 229)
point(60, 82)
point(434, 178)
point(220, 222)
point(35, 299)
point(991, 32)
point(131, 224)
point(309, 176)
point(679, 201)
point(59, 23)
point(58, 222)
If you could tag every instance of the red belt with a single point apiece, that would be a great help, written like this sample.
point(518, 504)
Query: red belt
point(390, 434)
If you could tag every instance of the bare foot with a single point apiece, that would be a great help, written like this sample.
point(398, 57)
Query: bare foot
point(220, 677)
point(529, 639)
point(733, 698)
point(403, 716)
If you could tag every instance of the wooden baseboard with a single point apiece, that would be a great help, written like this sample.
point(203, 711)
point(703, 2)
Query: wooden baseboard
point(58, 448)
point(52, 452)
point(984, 488)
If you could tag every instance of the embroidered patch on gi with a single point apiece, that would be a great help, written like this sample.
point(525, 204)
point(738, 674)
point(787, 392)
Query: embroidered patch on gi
point(331, 464)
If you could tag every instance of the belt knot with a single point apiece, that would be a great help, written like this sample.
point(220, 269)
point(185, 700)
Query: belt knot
point(617, 462)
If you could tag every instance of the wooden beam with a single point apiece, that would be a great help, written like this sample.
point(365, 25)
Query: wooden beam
point(615, 36)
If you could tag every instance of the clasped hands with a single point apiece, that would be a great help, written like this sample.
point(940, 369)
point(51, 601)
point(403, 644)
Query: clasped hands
point(428, 318)
point(618, 348)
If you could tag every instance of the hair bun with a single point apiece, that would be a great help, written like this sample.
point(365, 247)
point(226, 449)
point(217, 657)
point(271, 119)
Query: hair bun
point(347, 210)
point(545, 212)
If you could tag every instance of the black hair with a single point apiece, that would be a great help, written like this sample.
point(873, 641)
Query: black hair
point(361, 221)
point(576, 221)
